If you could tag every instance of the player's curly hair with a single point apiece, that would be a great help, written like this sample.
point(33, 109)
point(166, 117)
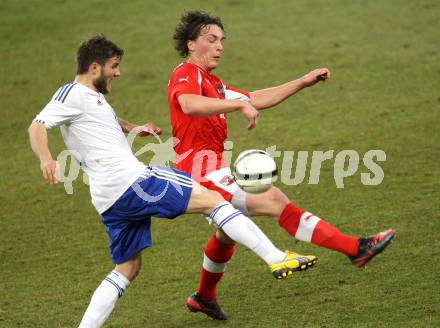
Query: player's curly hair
point(189, 28)
point(95, 49)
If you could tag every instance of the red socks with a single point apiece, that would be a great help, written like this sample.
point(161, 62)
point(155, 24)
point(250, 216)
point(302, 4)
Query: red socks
point(300, 224)
point(307, 227)
point(215, 259)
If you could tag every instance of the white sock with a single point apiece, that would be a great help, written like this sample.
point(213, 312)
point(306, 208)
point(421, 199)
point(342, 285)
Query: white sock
point(104, 299)
point(242, 230)
point(273, 254)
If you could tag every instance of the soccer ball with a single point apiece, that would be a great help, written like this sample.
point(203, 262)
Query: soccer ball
point(255, 171)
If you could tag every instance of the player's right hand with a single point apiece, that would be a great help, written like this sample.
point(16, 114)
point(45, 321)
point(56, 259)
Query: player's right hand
point(49, 168)
point(250, 113)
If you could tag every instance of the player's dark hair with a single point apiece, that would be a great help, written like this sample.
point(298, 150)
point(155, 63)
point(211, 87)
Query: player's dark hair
point(95, 49)
point(191, 23)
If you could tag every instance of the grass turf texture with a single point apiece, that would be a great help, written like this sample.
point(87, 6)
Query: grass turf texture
point(384, 56)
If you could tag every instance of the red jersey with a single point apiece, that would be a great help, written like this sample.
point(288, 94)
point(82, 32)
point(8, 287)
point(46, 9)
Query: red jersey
point(199, 145)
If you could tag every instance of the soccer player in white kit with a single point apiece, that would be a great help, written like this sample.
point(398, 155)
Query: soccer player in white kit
point(124, 191)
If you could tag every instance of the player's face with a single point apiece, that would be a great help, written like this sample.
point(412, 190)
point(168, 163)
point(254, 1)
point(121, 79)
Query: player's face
point(107, 73)
point(207, 49)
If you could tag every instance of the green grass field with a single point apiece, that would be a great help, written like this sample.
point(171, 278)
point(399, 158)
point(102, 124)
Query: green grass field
point(384, 94)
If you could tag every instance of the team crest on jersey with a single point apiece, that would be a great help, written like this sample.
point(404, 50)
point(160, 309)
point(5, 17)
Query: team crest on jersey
point(227, 180)
point(221, 90)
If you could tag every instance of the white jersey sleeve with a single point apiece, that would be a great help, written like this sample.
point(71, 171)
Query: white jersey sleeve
point(65, 107)
point(235, 94)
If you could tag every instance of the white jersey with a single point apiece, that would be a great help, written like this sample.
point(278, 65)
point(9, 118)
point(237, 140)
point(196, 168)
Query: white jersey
point(93, 135)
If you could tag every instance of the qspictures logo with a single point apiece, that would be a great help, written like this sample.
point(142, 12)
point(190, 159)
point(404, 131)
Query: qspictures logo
point(295, 164)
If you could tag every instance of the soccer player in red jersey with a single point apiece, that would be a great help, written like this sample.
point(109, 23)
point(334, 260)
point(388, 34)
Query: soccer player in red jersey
point(199, 103)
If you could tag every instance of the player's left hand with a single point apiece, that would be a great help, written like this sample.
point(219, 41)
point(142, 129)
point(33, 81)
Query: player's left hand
point(149, 129)
point(315, 76)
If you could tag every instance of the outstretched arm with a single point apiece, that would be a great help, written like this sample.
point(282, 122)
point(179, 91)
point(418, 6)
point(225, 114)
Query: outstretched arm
point(266, 98)
point(147, 129)
point(40, 146)
point(197, 105)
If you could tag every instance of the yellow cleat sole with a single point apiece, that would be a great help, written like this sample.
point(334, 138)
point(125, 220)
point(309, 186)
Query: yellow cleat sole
point(287, 272)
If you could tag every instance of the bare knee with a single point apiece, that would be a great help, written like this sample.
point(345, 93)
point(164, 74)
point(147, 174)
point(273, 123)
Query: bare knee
point(270, 203)
point(203, 200)
point(275, 195)
point(211, 200)
point(131, 268)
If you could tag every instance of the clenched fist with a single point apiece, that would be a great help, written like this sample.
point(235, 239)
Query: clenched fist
point(315, 76)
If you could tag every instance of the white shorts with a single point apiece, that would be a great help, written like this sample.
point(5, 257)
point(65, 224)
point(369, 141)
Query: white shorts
point(223, 182)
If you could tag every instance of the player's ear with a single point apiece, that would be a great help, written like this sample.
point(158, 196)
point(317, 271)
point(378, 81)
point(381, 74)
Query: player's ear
point(191, 45)
point(94, 68)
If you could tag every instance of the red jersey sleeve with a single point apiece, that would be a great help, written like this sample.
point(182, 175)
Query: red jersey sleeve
point(185, 80)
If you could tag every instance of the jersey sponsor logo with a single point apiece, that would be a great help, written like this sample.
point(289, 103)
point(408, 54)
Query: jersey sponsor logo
point(227, 180)
point(100, 103)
